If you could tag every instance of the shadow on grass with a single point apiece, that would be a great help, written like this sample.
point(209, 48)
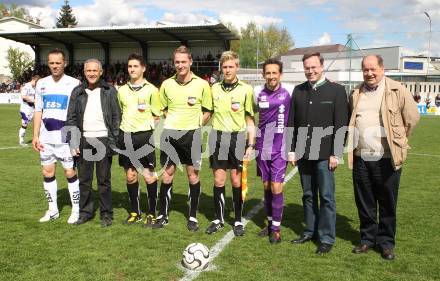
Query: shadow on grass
point(119, 200)
point(293, 218)
point(179, 203)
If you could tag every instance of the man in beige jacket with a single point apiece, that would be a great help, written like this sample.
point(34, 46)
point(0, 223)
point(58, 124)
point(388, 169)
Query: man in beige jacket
point(383, 114)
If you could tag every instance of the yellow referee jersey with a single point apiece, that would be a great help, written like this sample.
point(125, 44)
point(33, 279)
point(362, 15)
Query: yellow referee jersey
point(138, 107)
point(184, 102)
point(231, 106)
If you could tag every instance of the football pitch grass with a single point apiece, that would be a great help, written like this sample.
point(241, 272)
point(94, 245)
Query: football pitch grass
point(30, 250)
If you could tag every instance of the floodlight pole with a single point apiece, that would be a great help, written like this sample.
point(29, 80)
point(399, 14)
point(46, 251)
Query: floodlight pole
point(258, 49)
point(350, 46)
point(429, 45)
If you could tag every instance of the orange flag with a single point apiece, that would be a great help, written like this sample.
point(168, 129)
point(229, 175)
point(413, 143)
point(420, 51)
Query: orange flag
point(244, 174)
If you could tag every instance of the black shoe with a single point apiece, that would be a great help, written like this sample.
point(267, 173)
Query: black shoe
point(274, 237)
point(81, 220)
point(214, 227)
point(302, 239)
point(388, 254)
point(192, 226)
point(324, 248)
point(106, 221)
point(264, 232)
point(238, 230)
point(132, 219)
point(160, 223)
point(361, 249)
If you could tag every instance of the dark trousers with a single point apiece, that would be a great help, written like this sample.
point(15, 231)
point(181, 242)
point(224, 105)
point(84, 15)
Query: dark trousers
point(318, 181)
point(376, 185)
point(103, 174)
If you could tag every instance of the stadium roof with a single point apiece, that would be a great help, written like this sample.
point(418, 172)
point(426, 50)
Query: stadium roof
point(112, 34)
point(321, 49)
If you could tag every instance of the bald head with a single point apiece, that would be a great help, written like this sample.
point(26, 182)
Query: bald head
point(378, 58)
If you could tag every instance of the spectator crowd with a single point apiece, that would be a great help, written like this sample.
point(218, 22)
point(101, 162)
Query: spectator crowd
point(117, 74)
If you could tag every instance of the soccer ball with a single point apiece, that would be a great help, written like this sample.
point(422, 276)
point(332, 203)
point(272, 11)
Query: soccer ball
point(196, 256)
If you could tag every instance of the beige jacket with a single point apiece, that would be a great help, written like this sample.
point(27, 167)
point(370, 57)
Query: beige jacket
point(399, 114)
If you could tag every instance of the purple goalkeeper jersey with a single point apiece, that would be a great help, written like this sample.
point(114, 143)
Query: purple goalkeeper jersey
point(273, 107)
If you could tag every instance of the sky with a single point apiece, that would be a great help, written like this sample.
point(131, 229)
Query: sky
point(373, 23)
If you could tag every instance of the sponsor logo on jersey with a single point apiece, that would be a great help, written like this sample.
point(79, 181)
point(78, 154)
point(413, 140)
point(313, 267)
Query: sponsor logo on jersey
point(55, 102)
point(280, 117)
point(282, 109)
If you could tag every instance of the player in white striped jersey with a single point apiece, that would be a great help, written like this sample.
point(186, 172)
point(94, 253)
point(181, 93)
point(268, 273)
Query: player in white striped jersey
point(27, 106)
point(51, 103)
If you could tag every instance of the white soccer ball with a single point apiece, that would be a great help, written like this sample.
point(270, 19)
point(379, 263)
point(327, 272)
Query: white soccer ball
point(196, 256)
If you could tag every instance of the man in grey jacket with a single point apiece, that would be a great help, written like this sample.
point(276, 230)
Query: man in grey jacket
point(95, 112)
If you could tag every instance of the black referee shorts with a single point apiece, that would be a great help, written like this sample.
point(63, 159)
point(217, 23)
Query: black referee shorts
point(143, 153)
point(181, 147)
point(226, 149)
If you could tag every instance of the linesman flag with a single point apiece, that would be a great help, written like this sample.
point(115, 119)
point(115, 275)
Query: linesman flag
point(244, 174)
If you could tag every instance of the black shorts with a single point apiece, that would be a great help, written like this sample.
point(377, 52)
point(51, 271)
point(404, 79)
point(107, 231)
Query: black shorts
point(226, 150)
point(143, 153)
point(181, 147)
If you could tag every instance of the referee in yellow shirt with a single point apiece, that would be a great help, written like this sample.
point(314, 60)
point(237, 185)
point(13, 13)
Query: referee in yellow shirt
point(232, 120)
point(140, 106)
point(187, 102)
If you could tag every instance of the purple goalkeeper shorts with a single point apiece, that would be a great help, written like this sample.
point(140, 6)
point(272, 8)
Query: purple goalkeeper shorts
point(273, 169)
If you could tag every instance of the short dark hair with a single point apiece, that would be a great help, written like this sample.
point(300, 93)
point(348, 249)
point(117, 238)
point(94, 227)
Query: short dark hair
point(315, 54)
point(273, 61)
point(57, 51)
point(137, 57)
point(378, 57)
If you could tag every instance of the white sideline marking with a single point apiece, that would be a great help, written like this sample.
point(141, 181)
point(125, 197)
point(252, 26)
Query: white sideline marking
point(424, 154)
point(14, 147)
point(222, 243)
point(291, 174)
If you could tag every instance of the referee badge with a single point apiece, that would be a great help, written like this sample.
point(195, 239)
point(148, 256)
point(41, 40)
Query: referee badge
point(191, 101)
point(142, 104)
point(142, 107)
point(235, 106)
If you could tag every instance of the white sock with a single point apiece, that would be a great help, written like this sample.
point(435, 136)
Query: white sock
point(50, 188)
point(21, 134)
point(74, 195)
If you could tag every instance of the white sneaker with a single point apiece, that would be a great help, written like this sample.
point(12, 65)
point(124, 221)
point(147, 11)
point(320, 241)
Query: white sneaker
point(22, 142)
point(74, 216)
point(49, 215)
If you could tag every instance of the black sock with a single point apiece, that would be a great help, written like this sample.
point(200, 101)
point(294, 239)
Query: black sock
point(219, 203)
point(238, 202)
point(194, 194)
point(152, 197)
point(165, 198)
point(133, 195)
